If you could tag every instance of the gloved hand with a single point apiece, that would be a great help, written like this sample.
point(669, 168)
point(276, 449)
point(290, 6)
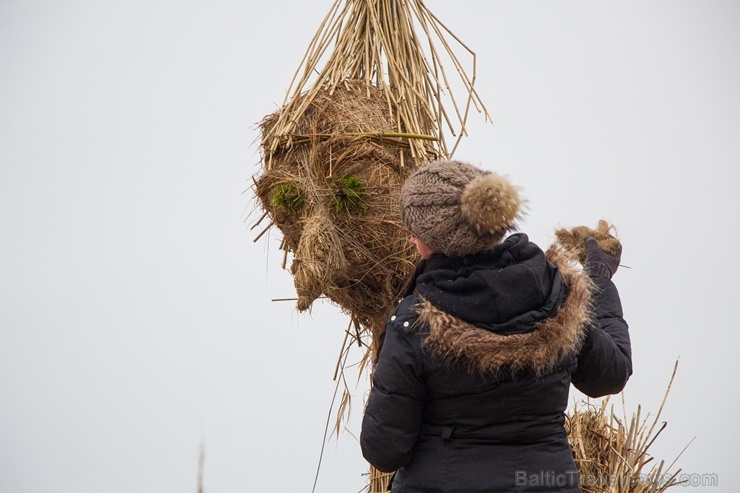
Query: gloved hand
point(598, 262)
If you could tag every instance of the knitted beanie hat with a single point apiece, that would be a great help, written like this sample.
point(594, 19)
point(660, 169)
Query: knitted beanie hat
point(458, 209)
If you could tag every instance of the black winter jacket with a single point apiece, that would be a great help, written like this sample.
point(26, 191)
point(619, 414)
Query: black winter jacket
point(470, 388)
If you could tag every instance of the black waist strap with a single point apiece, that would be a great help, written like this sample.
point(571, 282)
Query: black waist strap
point(530, 433)
point(446, 432)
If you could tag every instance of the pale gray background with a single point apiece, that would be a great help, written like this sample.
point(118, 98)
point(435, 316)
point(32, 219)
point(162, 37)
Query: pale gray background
point(135, 312)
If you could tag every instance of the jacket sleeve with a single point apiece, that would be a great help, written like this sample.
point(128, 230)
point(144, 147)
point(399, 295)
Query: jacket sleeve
point(605, 359)
point(392, 420)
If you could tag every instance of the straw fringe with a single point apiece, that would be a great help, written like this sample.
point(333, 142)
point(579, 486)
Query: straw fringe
point(399, 47)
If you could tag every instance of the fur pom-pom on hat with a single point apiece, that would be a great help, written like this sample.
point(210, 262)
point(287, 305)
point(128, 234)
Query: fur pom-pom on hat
point(490, 203)
point(458, 209)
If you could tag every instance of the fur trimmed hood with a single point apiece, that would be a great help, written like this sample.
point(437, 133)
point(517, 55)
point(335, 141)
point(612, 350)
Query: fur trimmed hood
point(541, 347)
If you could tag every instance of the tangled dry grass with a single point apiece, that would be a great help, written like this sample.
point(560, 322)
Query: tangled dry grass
point(572, 239)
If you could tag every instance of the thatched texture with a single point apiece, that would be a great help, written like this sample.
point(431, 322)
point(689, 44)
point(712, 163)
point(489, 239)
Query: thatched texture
point(334, 195)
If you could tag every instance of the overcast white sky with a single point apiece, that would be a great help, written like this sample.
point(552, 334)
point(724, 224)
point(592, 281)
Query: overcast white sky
point(135, 312)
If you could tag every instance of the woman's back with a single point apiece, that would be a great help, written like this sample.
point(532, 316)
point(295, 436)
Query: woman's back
point(488, 398)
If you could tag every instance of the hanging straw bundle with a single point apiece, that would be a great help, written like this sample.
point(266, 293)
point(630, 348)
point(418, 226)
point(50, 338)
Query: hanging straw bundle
point(349, 132)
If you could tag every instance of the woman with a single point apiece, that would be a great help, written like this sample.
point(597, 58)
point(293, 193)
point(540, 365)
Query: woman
point(471, 385)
